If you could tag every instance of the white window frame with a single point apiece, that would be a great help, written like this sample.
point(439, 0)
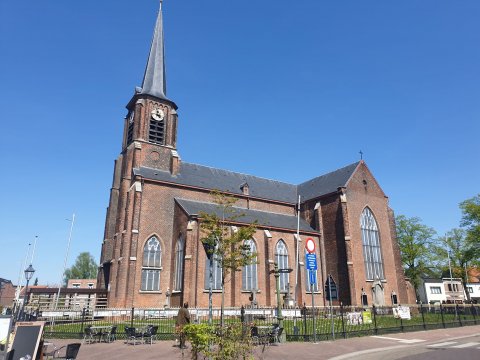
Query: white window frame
point(438, 289)
point(249, 272)
point(372, 251)
point(281, 258)
point(151, 265)
point(179, 264)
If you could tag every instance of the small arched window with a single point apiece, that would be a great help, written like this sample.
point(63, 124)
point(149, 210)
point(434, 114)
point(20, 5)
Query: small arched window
point(179, 257)
point(249, 272)
point(372, 253)
point(151, 265)
point(281, 257)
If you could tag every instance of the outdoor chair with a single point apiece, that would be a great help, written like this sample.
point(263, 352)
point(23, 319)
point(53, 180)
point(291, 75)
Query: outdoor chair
point(132, 335)
point(71, 351)
point(111, 335)
point(88, 335)
point(150, 333)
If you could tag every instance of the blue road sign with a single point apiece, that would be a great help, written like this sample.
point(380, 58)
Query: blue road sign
point(313, 278)
point(311, 261)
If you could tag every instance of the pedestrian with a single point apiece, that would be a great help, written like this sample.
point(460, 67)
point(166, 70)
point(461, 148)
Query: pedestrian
point(183, 318)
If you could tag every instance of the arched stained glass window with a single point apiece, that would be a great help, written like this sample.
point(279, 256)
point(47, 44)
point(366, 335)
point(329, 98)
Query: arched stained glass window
point(151, 265)
point(179, 257)
point(249, 272)
point(372, 253)
point(281, 257)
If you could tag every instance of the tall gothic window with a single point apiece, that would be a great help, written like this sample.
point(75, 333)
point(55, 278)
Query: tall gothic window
point(217, 274)
point(249, 272)
point(281, 257)
point(307, 278)
point(130, 127)
point(179, 256)
point(371, 246)
point(151, 265)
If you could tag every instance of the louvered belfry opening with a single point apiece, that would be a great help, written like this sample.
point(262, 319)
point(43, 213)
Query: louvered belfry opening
point(156, 131)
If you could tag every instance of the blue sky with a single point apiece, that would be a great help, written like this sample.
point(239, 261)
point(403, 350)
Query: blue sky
point(279, 89)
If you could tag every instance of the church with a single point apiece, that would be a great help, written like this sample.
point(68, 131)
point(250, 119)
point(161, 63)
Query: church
point(152, 254)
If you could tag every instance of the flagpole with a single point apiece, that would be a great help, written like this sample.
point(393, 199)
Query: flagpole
point(64, 265)
point(296, 260)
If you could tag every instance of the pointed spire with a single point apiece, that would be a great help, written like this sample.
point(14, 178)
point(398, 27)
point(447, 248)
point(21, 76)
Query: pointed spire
point(154, 80)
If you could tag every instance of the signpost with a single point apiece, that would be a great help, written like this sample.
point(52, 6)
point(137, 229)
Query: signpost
point(311, 266)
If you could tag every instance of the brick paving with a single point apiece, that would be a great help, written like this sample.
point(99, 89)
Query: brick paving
point(292, 350)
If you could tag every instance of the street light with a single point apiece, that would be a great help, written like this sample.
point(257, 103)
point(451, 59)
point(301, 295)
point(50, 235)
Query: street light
point(28, 276)
point(276, 271)
point(209, 247)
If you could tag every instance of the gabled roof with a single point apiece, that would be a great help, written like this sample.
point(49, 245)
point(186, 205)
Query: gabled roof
point(246, 216)
point(217, 179)
point(327, 183)
point(210, 178)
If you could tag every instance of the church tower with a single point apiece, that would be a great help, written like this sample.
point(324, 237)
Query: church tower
point(149, 140)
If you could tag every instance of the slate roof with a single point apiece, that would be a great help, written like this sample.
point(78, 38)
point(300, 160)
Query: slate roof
point(210, 178)
point(154, 79)
point(246, 216)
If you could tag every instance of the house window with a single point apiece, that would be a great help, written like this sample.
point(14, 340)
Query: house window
point(151, 266)
point(76, 286)
point(179, 256)
point(452, 287)
point(249, 272)
point(307, 279)
point(281, 257)
point(156, 131)
point(435, 290)
point(470, 289)
point(216, 273)
point(90, 285)
point(371, 246)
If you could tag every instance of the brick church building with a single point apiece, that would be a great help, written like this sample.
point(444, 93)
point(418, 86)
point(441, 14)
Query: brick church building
point(152, 253)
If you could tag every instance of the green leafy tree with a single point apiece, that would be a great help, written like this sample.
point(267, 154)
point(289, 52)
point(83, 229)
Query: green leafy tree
point(471, 222)
point(414, 239)
point(85, 267)
point(222, 242)
point(456, 245)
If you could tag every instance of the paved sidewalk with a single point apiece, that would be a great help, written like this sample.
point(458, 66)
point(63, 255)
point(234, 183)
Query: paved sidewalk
point(292, 350)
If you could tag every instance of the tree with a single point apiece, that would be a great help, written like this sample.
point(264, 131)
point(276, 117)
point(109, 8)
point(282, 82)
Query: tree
point(471, 222)
point(85, 267)
point(226, 245)
point(456, 246)
point(414, 239)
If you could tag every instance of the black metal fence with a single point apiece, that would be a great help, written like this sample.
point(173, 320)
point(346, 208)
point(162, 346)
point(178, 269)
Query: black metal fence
point(335, 322)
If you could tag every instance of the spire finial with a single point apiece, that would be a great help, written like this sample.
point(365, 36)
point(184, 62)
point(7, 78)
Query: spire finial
point(154, 79)
point(361, 154)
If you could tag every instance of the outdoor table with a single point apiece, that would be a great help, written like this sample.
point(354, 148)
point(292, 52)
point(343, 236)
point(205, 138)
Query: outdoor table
point(99, 331)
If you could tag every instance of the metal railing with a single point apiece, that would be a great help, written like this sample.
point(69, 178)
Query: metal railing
point(340, 322)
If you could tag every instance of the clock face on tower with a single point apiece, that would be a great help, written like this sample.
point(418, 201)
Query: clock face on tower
point(158, 114)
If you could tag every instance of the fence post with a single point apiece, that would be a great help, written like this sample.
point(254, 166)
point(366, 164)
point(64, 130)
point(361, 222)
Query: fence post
point(131, 317)
point(441, 314)
point(458, 313)
point(374, 310)
point(343, 322)
point(474, 311)
point(423, 317)
point(304, 315)
point(83, 321)
point(401, 324)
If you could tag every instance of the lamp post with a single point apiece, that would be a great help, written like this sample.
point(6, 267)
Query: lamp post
point(209, 250)
point(28, 276)
point(276, 271)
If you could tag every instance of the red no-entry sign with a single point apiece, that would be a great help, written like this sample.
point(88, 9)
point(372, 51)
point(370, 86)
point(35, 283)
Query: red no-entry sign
point(310, 245)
